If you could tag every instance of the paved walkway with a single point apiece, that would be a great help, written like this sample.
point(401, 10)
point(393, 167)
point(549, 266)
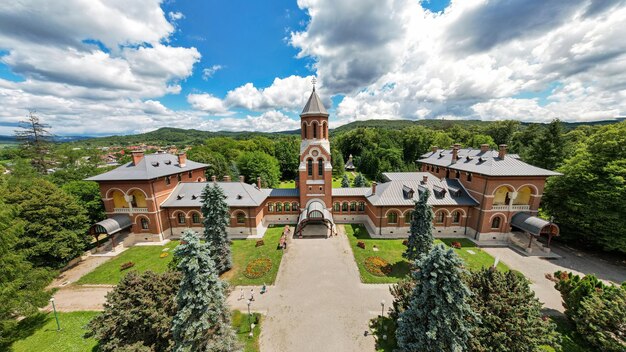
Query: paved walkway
point(318, 302)
point(536, 268)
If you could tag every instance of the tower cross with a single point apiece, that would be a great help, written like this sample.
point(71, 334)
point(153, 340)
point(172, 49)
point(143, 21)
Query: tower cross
point(313, 81)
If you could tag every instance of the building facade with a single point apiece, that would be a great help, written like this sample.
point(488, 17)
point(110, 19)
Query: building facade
point(475, 193)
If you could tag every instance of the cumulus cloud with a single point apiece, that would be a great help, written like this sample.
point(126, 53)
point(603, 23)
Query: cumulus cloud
point(289, 93)
point(398, 60)
point(207, 103)
point(269, 121)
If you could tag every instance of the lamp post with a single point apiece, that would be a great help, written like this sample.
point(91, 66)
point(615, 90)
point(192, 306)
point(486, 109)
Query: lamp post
point(56, 317)
point(550, 229)
point(382, 312)
point(249, 315)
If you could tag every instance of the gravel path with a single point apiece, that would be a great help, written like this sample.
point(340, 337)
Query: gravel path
point(318, 302)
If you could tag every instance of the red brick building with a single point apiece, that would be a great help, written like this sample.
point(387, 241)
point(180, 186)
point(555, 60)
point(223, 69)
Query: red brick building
point(477, 193)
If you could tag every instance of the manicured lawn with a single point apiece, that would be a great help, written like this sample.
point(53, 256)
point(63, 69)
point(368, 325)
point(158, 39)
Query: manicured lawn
point(287, 184)
point(144, 257)
point(241, 326)
point(391, 251)
point(244, 251)
point(41, 335)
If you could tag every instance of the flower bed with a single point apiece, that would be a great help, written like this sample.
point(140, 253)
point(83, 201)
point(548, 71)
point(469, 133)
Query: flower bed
point(377, 266)
point(360, 244)
point(260, 243)
point(126, 265)
point(257, 268)
point(456, 245)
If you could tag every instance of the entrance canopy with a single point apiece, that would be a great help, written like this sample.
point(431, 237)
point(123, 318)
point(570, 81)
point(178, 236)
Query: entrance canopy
point(112, 225)
point(315, 213)
point(534, 225)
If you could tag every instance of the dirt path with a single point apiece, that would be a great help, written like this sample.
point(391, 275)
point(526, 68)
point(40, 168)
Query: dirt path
point(318, 302)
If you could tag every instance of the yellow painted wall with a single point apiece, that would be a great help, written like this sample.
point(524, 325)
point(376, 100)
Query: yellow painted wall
point(500, 196)
point(118, 200)
point(523, 196)
point(140, 199)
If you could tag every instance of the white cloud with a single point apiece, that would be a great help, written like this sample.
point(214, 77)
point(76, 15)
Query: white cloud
point(393, 59)
point(207, 103)
point(210, 71)
point(289, 93)
point(269, 121)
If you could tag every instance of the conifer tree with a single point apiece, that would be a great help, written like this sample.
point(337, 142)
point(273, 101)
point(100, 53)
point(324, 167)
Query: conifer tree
point(35, 138)
point(439, 317)
point(216, 218)
point(421, 238)
point(202, 321)
point(345, 182)
point(548, 151)
point(359, 180)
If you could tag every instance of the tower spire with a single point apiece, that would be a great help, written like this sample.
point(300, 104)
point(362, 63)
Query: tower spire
point(313, 81)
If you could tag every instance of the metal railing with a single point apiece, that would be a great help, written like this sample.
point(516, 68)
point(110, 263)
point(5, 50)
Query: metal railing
point(129, 210)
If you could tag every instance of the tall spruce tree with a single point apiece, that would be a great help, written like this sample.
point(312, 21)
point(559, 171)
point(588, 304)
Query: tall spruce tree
point(216, 218)
point(359, 180)
point(345, 181)
point(548, 150)
point(510, 314)
point(439, 317)
point(421, 238)
point(202, 321)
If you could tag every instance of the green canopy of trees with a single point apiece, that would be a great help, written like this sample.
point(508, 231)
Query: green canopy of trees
point(259, 164)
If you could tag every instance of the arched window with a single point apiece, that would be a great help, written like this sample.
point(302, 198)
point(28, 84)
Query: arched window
point(495, 223)
point(439, 217)
point(195, 218)
point(241, 218)
point(167, 180)
point(287, 206)
point(502, 196)
point(392, 217)
point(190, 174)
point(458, 174)
point(323, 130)
point(294, 206)
point(361, 206)
point(304, 134)
point(315, 128)
point(352, 206)
point(270, 207)
point(344, 206)
point(336, 207)
point(309, 167)
point(145, 224)
point(456, 217)
point(181, 218)
point(320, 167)
point(408, 216)
point(279, 207)
point(179, 177)
point(447, 173)
point(469, 177)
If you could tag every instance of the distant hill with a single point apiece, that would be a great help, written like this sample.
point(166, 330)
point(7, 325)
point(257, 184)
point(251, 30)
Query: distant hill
point(176, 136)
point(180, 136)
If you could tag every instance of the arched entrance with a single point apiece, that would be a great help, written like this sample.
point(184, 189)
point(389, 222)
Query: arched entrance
point(315, 213)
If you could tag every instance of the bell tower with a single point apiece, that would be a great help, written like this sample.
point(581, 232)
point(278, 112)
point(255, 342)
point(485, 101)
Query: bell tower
point(315, 170)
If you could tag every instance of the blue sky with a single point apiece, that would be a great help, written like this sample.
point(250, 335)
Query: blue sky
point(102, 68)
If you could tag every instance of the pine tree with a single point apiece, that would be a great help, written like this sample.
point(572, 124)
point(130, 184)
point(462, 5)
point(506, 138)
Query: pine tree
point(216, 219)
point(421, 238)
point(359, 180)
point(202, 321)
point(439, 317)
point(548, 151)
point(35, 138)
point(510, 314)
point(345, 181)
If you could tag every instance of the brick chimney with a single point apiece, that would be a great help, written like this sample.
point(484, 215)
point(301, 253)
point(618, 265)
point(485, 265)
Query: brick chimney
point(455, 153)
point(424, 179)
point(137, 156)
point(457, 145)
point(242, 178)
point(213, 178)
point(182, 159)
point(226, 178)
point(374, 187)
point(502, 151)
point(258, 182)
point(484, 148)
point(434, 149)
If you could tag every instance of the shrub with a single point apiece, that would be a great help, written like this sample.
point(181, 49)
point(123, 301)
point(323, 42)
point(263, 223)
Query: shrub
point(360, 244)
point(377, 266)
point(456, 245)
point(126, 265)
point(259, 243)
point(405, 242)
point(257, 268)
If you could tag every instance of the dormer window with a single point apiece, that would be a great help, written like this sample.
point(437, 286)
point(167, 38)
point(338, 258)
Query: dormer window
point(439, 191)
point(155, 163)
point(408, 192)
point(180, 196)
point(180, 177)
point(168, 162)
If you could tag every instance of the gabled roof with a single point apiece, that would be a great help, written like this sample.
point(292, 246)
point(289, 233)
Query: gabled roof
point(282, 192)
point(314, 106)
point(238, 194)
point(150, 167)
point(486, 163)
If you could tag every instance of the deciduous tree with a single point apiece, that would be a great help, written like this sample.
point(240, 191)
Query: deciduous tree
point(259, 164)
